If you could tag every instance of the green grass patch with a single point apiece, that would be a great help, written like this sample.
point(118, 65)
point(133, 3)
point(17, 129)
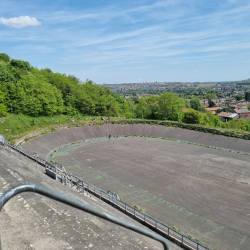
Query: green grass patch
point(138, 208)
point(14, 126)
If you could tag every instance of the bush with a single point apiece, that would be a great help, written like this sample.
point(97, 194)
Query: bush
point(3, 110)
point(191, 116)
point(45, 132)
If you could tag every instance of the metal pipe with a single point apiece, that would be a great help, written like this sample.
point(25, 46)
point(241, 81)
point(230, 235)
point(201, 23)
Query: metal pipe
point(79, 205)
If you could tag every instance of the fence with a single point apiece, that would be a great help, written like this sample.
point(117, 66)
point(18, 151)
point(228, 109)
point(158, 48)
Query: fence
point(57, 172)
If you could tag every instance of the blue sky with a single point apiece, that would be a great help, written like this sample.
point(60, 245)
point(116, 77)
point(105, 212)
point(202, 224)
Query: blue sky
point(131, 41)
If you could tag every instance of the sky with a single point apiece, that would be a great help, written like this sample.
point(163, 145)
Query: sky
point(125, 41)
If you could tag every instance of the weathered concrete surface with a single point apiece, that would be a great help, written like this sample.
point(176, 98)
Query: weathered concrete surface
point(30, 221)
point(46, 143)
point(203, 192)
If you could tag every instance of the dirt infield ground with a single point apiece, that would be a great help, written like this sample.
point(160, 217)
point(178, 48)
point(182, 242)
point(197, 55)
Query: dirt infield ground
point(203, 192)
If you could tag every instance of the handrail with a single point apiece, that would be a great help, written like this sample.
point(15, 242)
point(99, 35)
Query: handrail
point(39, 189)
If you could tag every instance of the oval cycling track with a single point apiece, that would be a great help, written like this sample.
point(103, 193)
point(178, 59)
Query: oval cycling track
point(203, 192)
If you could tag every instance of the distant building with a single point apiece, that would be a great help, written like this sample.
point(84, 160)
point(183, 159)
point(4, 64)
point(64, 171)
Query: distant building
point(220, 101)
point(240, 104)
point(242, 112)
point(204, 102)
point(227, 116)
point(213, 110)
point(224, 106)
point(148, 88)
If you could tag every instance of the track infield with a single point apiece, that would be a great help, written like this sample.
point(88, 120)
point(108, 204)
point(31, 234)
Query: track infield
point(203, 192)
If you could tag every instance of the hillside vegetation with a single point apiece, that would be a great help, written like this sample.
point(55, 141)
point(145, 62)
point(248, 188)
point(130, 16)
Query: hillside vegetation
point(29, 96)
point(34, 92)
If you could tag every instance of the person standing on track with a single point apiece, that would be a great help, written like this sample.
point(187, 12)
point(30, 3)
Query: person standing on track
point(109, 137)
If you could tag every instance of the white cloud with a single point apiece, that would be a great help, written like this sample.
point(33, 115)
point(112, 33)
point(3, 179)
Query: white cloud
point(20, 22)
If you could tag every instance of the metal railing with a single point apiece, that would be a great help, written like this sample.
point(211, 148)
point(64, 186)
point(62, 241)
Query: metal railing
point(79, 205)
point(56, 171)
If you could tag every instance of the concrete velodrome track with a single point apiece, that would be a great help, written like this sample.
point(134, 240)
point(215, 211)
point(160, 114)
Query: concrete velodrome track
point(203, 192)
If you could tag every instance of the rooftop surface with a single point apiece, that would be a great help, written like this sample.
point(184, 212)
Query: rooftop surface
point(227, 114)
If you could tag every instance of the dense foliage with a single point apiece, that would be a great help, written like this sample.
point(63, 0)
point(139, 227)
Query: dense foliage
point(29, 91)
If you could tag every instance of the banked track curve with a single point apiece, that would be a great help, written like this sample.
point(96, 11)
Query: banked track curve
point(44, 144)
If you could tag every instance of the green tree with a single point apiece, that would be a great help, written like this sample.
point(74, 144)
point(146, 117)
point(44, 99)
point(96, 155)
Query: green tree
point(152, 107)
point(210, 96)
point(6, 76)
point(239, 97)
point(33, 96)
point(3, 110)
point(170, 106)
point(135, 99)
point(128, 109)
point(187, 103)
point(36, 92)
point(191, 116)
point(20, 64)
point(142, 108)
point(195, 104)
point(4, 57)
point(211, 104)
point(247, 96)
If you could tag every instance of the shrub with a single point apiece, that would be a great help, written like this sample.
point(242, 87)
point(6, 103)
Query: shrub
point(45, 132)
point(3, 110)
point(191, 116)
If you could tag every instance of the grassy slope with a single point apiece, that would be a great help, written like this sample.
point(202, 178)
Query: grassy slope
point(14, 126)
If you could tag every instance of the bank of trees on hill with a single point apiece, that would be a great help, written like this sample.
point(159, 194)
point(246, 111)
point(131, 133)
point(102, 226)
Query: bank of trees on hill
point(28, 90)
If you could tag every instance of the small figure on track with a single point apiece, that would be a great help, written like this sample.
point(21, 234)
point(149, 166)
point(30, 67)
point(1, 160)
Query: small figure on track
point(109, 137)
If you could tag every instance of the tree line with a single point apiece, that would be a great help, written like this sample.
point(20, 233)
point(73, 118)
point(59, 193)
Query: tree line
point(28, 90)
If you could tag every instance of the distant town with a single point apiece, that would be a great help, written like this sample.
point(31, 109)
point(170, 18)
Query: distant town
point(229, 100)
point(223, 87)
